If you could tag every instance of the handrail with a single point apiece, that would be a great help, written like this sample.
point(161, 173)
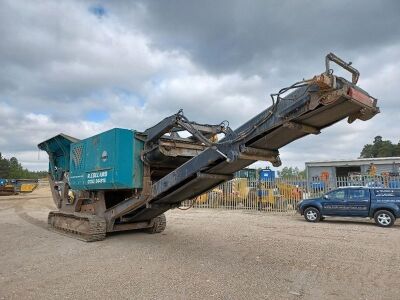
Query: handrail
point(347, 66)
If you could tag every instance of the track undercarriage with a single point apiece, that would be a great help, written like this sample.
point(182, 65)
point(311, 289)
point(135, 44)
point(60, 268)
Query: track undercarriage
point(81, 226)
point(92, 228)
point(87, 218)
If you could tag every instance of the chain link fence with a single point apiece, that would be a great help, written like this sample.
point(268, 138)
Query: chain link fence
point(281, 194)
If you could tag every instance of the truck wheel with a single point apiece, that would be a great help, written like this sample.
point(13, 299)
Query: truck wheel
point(159, 224)
point(384, 218)
point(312, 214)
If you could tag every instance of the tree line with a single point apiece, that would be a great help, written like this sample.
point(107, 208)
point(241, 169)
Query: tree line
point(12, 169)
point(380, 148)
point(291, 172)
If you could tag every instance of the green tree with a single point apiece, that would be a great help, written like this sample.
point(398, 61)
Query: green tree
point(288, 172)
point(397, 150)
point(12, 169)
point(4, 167)
point(380, 148)
point(367, 151)
point(16, 170)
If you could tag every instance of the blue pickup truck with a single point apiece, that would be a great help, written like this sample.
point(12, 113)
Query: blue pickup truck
point(382, 204)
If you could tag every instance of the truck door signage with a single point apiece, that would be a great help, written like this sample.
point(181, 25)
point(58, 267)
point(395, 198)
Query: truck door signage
point(387, 193)
point(333, 206)
point(357, 207)
point(388, 200)
point(387, 196)
point(344, 207)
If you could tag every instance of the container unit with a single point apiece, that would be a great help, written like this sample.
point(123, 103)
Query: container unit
point(267, 175)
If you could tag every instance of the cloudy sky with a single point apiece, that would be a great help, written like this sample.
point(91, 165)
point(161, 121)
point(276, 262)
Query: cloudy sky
point(82, 67)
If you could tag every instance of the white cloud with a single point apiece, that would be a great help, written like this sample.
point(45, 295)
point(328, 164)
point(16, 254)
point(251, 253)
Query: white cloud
point(61, 62)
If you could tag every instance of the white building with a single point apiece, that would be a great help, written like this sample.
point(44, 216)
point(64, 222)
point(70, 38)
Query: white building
point(344, 168)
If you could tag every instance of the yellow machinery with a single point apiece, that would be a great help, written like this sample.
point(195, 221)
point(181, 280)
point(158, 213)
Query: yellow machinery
point(28, 187)
point(290, 195)
point(212, 198)
point(372, 170)
point(15, 186)
point(268, 194)
point(240, 188)
point(202, 199)
point(278, 195)
point(231, 194)
point(7, 190)
point(289, 191)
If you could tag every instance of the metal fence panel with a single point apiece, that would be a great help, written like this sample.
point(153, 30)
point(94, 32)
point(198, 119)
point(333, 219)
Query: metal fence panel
point(281, 194)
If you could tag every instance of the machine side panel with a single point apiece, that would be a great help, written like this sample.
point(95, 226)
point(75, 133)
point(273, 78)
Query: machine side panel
point(106, 161)
point(58, 149)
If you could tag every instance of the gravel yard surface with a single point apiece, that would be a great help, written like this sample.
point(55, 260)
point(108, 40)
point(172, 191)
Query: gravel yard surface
point(202, 254)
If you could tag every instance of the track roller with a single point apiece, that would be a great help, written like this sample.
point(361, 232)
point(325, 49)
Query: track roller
point(159, 224)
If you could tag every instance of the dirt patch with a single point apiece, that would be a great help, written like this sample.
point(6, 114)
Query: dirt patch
point(202, 254)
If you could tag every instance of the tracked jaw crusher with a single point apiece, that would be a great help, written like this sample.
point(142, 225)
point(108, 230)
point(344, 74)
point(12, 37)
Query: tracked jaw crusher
point(123, 179)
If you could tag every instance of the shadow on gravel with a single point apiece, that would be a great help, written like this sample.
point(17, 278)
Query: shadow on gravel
point(137, 232)
point(358, 222)
point(350, 221)
point(32, 220)
point(19, 210)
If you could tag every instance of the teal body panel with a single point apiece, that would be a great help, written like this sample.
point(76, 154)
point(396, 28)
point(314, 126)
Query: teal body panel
point(58, 149)
point(107, 161)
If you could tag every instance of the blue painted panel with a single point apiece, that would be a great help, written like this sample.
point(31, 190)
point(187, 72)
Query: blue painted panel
point(58, 148)
point(267, 175)
point(109, 160)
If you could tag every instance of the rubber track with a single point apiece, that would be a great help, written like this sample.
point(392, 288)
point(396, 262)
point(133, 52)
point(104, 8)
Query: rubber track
point(160, 223)
point(97, 226)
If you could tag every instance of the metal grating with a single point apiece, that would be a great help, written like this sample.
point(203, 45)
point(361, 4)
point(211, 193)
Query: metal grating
point(77, 156)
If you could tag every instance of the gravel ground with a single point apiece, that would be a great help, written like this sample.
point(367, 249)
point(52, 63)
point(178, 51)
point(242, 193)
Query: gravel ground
point(202, 254)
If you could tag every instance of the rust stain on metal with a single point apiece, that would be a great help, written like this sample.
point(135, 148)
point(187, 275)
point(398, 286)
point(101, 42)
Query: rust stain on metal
point(360, 97)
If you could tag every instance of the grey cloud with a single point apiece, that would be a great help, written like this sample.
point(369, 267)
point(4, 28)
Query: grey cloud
point(215, 59)
point(227, 36)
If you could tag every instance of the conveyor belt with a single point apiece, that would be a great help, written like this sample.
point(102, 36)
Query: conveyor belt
point(307, 112)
